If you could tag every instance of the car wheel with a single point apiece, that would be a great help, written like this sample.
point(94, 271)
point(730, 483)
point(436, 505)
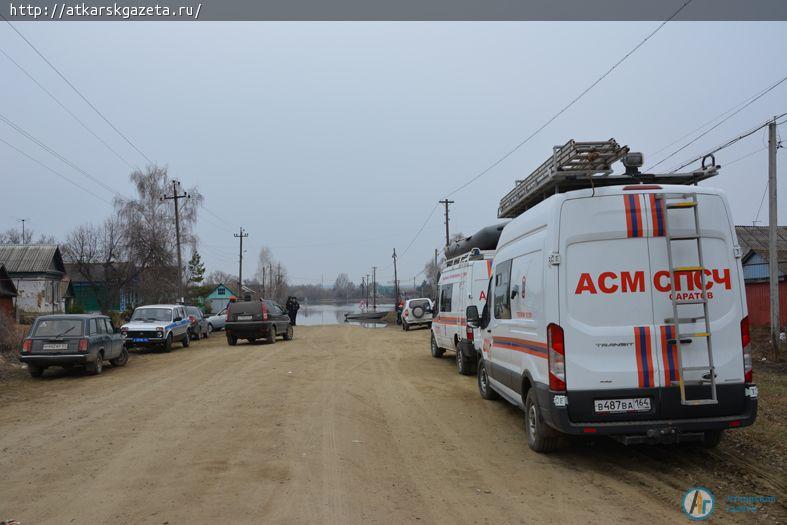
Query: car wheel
point(35, 371)
point(196, 335)
point(271, 335)
point(463, 365)
point(484, 388)
point(232, 340)
point(168, 344)
point(97, 366)
point(406, 326)
point(711, 438)
point(540, 437)
point(437, 352)
point(186, 341)
point(120, 360)
point(289, 334)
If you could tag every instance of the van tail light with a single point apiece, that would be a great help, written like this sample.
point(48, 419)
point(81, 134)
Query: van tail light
point(748, 375)
point(27, 345)
point(469, 333)
point(264, 312)
point(83, 344)
point(556, 352)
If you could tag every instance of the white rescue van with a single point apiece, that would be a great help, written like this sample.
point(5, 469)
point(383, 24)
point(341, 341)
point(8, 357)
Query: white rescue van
point(620, 311)
point(463, 282)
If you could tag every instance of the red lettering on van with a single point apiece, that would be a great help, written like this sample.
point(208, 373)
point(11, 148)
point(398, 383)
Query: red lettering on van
point(633, 281)
point(585, 284)
point(612, 282)
point(482, 297)
point(602, 282)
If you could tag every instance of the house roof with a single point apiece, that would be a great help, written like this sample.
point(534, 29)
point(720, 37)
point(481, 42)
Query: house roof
point(7, 287)
point(32, 258)
point(754, 239)
point(221, 285)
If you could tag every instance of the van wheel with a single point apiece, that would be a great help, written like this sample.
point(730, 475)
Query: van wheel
point(97, 366)
point(271, 335)
point(120, 360)
point(437, 352)
point(168, 344)
point(712, 438)
point(463, 364)
point(540, 437)
point(186, 341)
point(289, 334)
point(232, 340)
point(35, 371)
point(484, 388)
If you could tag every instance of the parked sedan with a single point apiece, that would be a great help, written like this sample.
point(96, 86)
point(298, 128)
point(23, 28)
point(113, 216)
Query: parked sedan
point(217, 321)
point(72, 340)
point(198, 327)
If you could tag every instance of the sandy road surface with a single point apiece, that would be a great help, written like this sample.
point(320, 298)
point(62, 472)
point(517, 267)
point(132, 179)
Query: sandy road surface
point(341, 425)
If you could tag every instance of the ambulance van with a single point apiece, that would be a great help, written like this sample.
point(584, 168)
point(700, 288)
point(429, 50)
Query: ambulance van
point(463, 282)
point(619, 311)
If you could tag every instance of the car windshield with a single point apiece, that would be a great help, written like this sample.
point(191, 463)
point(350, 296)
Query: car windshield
point(58, 328)
point(192, 310)
point(152, 314)
point(419, 302)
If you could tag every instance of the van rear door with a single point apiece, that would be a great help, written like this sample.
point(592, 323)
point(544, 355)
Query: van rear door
point(606, 310)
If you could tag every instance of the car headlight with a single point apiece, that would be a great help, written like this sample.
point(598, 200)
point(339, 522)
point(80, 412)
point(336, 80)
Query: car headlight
point(159, 334)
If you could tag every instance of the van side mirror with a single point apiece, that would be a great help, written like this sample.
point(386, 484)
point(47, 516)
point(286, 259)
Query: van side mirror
point(471, 313)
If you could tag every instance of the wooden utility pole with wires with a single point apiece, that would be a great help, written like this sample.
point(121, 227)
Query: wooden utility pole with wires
point(773, 249)
point(240, 236)
point(367, 290)
point(446, 202)
point(374, 288)
point(396, 280)
point(176, 197)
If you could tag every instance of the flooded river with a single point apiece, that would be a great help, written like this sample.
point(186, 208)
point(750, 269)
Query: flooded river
point(320, 314)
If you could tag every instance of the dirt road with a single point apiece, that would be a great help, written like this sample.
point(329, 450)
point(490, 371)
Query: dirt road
point(341, 425)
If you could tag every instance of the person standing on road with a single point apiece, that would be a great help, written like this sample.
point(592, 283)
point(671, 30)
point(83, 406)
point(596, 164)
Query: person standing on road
point(292, 308)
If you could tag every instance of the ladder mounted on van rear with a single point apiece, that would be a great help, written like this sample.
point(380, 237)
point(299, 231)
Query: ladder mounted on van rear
point(683, 203)
point(579, 165)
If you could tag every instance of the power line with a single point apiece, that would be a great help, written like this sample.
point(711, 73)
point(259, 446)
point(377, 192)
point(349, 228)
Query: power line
point(571, 103)
point(54, 153)
point(59, 103)
point(86, 190)
point(728, 117)
point(728, 143)
point(45, 59)
point(714, 119)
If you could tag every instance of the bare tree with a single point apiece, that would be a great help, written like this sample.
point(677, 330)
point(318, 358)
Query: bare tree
point(100, 255)
point(14, 236)
point(148, 229)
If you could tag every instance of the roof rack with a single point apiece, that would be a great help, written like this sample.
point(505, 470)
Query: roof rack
point(473, 255)
point(579, 165)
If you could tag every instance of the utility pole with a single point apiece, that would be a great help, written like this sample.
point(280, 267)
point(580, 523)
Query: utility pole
point(240, 236)
point(24, 239)
point(176, 197)
point(374, 288)
point(367, 290)
point(773, 268)
point(446, 202)
point(396, 280)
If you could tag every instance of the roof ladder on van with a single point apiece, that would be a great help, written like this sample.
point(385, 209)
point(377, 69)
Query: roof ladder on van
point(682, 203)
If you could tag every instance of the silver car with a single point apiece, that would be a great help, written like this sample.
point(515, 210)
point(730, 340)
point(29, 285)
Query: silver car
point(217, 321)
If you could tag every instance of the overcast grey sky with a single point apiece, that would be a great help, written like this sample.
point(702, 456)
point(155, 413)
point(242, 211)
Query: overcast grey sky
point(331, 142)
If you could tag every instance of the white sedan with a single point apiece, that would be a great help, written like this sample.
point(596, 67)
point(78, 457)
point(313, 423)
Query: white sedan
point(217, 321)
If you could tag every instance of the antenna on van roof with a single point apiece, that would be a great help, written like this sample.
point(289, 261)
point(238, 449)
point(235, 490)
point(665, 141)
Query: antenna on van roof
point(578, 165)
